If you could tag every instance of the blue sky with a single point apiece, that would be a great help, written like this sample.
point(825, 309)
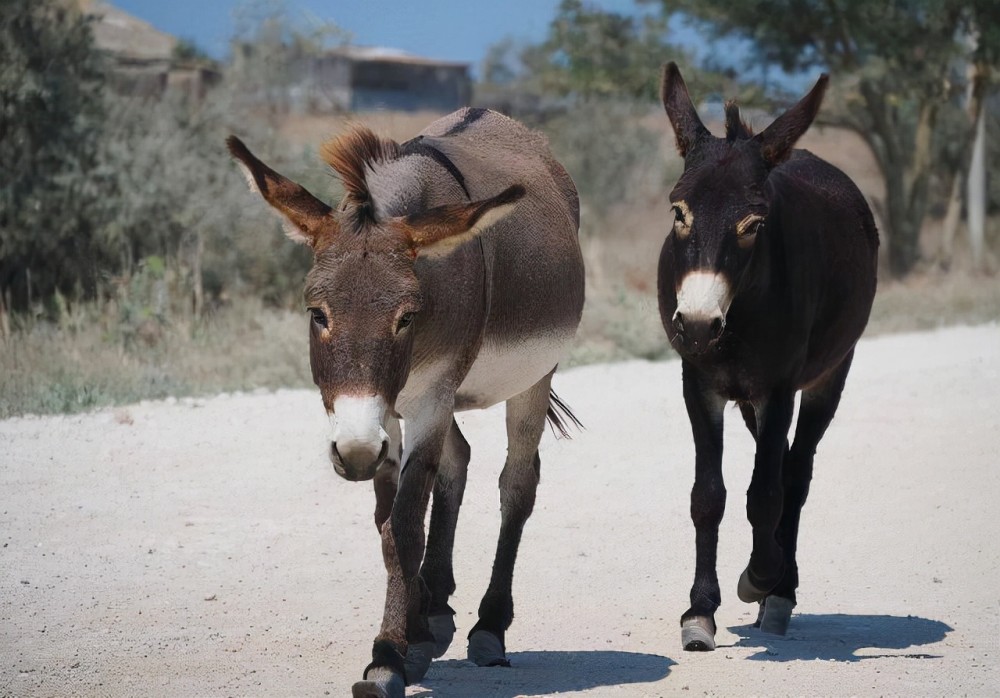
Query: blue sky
point(447, 29)
point(459, 30)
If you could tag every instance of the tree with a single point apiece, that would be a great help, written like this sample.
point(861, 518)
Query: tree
point(187, 51)
point(588, 85)
point(983, 32)
point(893, 60)
point(100, 192)
point(51, 110)
point(968, 145)
point(272, 51)
point(591, 53)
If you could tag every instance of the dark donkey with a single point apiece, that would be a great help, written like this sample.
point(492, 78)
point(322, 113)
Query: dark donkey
point(449, 278)
point(765, 285)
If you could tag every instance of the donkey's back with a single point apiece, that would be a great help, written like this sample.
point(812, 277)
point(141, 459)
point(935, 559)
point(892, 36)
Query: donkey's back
point(487, 146)
point(533, 266)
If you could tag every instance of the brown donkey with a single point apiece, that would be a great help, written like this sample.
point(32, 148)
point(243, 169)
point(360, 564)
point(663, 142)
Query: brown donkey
point(449, 278)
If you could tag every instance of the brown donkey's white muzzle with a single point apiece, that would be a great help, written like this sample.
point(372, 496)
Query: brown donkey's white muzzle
point(360, 442)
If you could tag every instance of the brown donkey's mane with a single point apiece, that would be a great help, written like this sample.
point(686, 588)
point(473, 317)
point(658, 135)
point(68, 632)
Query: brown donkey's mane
point(350, 154)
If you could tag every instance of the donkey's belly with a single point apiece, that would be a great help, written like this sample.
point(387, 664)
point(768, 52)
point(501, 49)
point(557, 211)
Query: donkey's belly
point(503, 371)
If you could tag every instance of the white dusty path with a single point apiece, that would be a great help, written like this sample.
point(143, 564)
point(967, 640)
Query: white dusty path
point(207, 548)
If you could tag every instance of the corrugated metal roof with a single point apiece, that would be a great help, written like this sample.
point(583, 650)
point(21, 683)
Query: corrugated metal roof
point(392, 55)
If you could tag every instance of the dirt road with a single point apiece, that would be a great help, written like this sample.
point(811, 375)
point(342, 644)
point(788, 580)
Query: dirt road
point(205, 547)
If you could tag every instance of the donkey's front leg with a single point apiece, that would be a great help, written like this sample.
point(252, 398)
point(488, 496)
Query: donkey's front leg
point(387, 476)
point(765, 497)
point(437, 570)
point(708, 503)
point(402, 551)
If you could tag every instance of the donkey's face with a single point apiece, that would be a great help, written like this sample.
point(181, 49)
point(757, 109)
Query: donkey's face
point(719, 209)
point(720, 205)
point(364, 299)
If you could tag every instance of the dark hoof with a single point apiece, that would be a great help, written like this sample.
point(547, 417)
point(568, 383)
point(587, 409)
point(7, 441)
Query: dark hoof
point(752, 590)
point(380, 682)
point(774, 615)
point(698, 634)
point(418, 660)
point(443, 628)
point(486, 649)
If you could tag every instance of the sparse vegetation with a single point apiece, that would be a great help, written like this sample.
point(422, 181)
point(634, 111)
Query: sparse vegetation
point(94, 359)
point(91, 359)
point(51, 113)
point(168, 279)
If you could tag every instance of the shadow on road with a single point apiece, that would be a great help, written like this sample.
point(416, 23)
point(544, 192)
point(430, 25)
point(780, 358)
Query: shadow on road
point(838, 637)
point(542, 674)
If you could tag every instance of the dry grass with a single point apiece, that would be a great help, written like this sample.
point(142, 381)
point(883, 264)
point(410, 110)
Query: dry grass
point(621, 319)
point(88, 363)
point(48, 369)
point(622, 323)
point(932, 300)
point(309, 131)
point(92, 359)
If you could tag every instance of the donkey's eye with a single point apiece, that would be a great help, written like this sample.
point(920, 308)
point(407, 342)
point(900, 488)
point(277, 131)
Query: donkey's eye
point(682, 219)
point(405, 320)
point(747, 229)
point(750, 225)
point(318, 317)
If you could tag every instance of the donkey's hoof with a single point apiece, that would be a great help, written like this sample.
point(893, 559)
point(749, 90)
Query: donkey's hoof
point(698, 634)
point(486, 649)
point(418, 660)
point(775, 613)
point(443, 628)
point(380, 683)
point(748, 591)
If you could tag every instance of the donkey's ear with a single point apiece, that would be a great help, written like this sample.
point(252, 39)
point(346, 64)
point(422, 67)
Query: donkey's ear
point(777, 140)
point(305, 216)
point(440, 230)
point(680, 110)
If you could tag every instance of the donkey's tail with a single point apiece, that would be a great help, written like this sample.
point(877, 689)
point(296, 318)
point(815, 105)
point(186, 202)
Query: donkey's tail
point(560, 416)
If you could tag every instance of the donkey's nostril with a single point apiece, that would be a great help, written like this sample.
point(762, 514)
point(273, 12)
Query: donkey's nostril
point(716, 327)
point(679, 322)
point(357, 460)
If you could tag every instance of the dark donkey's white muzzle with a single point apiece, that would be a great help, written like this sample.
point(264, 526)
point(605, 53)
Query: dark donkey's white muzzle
point(360, 442)
point(702, 303)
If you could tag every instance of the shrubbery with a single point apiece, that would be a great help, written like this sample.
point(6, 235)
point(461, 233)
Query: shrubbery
point(97, 189)
point(136, 264)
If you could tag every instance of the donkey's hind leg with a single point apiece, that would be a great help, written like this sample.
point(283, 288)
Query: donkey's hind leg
point(818, 406)
point(518, 482)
